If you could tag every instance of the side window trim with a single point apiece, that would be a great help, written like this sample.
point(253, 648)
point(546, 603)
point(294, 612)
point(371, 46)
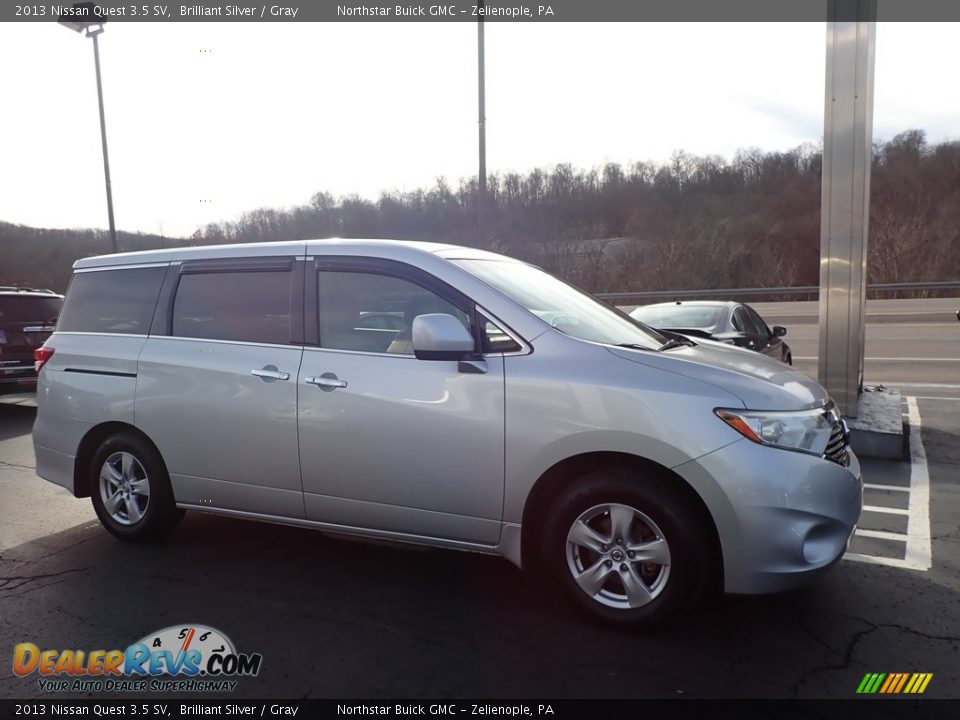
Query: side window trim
point(234, 265)
point(163, 313)
point(388, 268)
point(162, 324)
point(398, 269)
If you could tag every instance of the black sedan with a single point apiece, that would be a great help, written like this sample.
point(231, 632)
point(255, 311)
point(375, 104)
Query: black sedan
point(727, 322)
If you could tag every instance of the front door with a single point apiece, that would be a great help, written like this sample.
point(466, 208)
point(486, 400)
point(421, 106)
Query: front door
point(387, 441)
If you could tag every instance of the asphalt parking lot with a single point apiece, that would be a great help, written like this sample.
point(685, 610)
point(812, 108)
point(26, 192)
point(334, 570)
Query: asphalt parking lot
point(338, 618)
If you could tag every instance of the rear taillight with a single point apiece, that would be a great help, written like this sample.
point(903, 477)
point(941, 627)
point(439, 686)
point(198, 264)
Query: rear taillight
point(40, 357)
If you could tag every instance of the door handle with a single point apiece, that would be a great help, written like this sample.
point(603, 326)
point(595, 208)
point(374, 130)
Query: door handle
point(269, 373)
point(325, 382)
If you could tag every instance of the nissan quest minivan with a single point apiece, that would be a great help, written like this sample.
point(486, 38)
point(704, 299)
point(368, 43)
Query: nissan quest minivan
point(446, 396)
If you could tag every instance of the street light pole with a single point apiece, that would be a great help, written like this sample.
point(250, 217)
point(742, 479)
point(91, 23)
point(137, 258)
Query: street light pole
point(83, 18)
point(482, 120)
point(103, 134)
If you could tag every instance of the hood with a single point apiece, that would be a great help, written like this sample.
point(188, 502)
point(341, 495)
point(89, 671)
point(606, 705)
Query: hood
point(762, 383)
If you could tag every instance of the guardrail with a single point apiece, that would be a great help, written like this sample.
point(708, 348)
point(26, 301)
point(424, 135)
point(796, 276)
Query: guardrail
point(814, 290)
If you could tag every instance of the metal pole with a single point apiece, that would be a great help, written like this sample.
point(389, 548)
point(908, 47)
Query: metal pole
point(103, 139)
point(481, 88)
point(845, 197)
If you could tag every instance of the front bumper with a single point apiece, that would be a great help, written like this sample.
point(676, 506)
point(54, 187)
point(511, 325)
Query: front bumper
point(782, 517)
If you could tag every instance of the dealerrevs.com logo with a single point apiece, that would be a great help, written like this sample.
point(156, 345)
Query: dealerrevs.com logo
point(179, 658)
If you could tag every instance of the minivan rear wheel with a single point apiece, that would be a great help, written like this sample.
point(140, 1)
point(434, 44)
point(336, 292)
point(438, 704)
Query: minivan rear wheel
point(130, 489)
point(628, 548)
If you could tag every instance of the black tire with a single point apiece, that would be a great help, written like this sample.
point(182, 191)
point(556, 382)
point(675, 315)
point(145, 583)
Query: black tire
point(693, 565)
point(159, 511)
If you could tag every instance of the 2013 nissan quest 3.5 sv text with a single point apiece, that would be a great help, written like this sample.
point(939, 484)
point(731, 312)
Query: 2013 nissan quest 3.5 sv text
point(447, 396)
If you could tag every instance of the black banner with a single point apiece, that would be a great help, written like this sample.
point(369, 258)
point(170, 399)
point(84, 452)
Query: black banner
point(473, 10)
point(874, 709)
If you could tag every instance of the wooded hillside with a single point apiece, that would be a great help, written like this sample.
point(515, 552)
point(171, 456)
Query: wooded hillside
point(693, 222)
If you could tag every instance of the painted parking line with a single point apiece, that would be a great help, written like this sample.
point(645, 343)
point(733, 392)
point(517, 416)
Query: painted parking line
point(888, 510)
point(891, 359)
point(917, 551)
point(898, 384)
point(894, 488)
point(881, 535)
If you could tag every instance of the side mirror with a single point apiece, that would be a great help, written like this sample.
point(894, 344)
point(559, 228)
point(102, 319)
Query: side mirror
point(779, 331)
point(439, 336)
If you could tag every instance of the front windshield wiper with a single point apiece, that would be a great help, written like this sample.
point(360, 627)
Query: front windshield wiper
point(675, 343)
point(635, 346)
point(674, 340)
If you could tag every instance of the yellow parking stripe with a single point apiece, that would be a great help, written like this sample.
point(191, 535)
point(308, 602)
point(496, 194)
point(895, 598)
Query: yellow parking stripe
point(913, 681)
point(926, 681)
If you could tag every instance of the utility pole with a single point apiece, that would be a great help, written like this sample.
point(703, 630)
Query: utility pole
point(482, 122)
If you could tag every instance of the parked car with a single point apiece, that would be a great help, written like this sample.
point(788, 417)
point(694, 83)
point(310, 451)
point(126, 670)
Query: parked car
point(727, 322)
point(510, 414)
point(27, 317)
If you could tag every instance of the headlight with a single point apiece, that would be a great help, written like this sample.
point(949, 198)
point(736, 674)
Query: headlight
point(804, 430)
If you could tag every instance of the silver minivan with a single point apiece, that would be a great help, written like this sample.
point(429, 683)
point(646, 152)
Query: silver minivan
point(446, 396)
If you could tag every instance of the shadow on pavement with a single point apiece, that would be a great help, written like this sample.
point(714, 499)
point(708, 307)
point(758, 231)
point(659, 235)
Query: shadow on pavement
point(337, 618)
point(16, 420)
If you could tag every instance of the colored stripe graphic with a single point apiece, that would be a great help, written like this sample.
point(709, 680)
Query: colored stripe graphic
point(894, 683)
point(891, 680)
point(903, 679)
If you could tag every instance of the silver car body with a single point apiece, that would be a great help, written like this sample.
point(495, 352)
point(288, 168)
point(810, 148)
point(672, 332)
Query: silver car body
point(420, 451)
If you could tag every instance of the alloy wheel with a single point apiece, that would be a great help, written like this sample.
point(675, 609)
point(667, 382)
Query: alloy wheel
point(618, 556)
point(124, 488)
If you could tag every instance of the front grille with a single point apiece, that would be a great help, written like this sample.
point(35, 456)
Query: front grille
point(838, 444)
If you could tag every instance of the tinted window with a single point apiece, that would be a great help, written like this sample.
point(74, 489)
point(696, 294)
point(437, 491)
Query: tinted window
point(739, 321)
point(369, 312)
point(745, 323)
point(679, 316)
point(495, 339)
point(113, 301)
point(243, 306)
point(757, 321)
point(29, 309)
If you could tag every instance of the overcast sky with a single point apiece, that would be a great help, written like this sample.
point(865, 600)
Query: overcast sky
point(208, 120)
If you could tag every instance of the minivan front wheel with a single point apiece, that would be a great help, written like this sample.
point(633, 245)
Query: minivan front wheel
point(628, 549)
point(131, 490)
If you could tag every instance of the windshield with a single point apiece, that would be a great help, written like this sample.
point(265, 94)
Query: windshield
point(561, 305)
point(703, 317)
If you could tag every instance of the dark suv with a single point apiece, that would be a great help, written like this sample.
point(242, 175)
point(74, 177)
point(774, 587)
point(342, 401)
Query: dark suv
point(27, 317)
